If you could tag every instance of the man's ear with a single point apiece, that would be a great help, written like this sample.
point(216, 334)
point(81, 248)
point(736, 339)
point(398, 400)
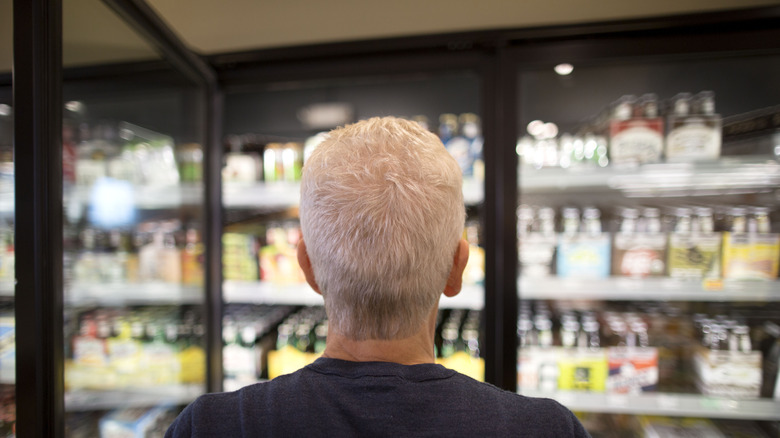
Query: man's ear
point(455, 280)
point(308, 272)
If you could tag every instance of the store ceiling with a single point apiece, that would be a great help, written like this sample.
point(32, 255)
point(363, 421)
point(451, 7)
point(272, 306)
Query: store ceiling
point(92, 34)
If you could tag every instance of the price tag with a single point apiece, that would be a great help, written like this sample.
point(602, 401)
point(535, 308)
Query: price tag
point(712, 284)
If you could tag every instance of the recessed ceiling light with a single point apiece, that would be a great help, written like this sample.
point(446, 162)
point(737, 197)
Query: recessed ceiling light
point(564, 69)
point(74, 106)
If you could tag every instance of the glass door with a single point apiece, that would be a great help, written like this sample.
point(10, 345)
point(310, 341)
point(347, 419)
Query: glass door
point(648, 242)
point(134, 294)
point(273, 322)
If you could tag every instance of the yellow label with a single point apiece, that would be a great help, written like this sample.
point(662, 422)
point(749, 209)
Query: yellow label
point(288, 360)
point(193, 365)
point(463, 363)
point(712, 284)
point(751, 256)
point(582, 371)
point(694, 256)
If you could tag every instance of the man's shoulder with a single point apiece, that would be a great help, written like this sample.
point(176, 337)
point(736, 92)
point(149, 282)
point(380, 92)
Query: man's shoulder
point(508, 410)
point(476, 387)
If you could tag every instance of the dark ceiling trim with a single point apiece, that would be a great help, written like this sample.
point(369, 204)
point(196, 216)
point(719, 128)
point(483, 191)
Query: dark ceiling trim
point(248, 77)
point(740, 19)
point(141, 17)
point(720, 21)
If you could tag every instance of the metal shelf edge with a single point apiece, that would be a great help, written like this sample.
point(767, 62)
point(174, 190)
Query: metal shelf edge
point(679, 405)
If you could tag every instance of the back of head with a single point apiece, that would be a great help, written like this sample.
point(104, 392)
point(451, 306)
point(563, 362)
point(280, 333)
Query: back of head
point(381, 213)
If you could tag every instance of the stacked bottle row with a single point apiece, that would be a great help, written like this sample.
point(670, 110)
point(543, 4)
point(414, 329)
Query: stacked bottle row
point(264, 252)
point(249, 159)
point(462, 136)
point(249, 333)
point(114, 348)
point(155, 251)
point(698, 242)
point(636, 348)
point(95, 152)
point(655, 426)
point(265, 341)
point(631, 131)
point(458, 342)
point(253, 158)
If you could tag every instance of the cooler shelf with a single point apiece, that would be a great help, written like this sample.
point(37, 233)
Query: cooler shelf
point(124, 294)
point(252, 195)
point(144, 197)
point(287, 195)
point(259, 292)
point(646, 289)
point(728, 175)
point(91, 400)
point(676, 405)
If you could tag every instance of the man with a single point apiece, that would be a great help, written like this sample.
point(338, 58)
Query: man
point(382, 217)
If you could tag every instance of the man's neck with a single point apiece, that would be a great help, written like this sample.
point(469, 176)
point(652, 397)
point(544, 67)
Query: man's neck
point(407, 351)
point(415, 349)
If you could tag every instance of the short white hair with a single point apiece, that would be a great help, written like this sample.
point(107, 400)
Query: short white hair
point(381, 214)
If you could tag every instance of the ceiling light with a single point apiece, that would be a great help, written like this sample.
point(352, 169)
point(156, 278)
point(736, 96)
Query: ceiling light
point(564, 69)
point(74, 106)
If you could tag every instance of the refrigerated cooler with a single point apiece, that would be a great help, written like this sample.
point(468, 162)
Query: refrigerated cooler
point(273, 322)
point(649, 241)
point(134, 338)
point(134, 291)
point(626, 213)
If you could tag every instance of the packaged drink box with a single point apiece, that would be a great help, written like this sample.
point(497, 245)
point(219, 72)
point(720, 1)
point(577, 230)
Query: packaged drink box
point(557, 368)
point(464, 363)
point(537, 254)
point(537, 369)
point(694, 256)
point(632, 370)
point(728, 373)
point(639, 255)
point(582, 370)
point(636, 141)
point(239, 259)
point(696, 137)
point(584, 256)
point(287, 360)
point(241, 168)
point(751, 256)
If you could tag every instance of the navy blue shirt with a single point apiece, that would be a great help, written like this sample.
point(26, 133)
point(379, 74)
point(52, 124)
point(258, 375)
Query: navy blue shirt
point(339, 398)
